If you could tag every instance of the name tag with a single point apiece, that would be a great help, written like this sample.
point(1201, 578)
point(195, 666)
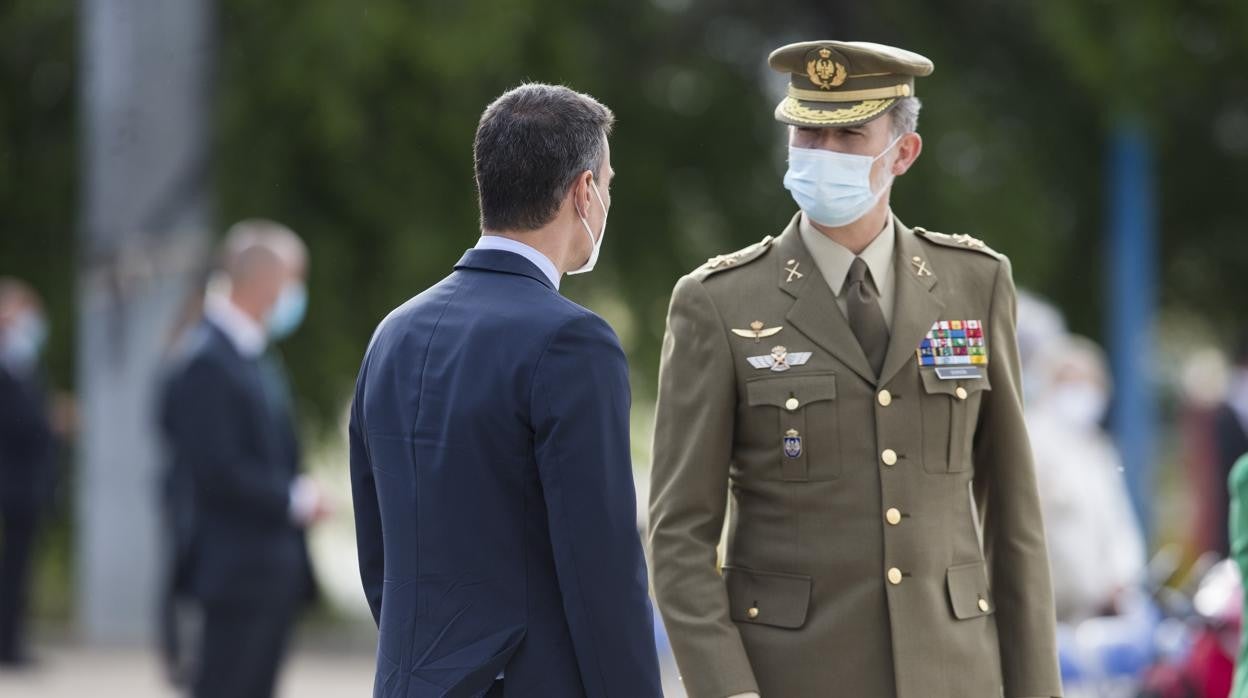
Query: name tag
point(958, 373)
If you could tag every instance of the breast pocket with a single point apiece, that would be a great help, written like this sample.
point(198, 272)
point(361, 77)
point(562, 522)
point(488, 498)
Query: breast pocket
point(807, 425)
point(950, 412)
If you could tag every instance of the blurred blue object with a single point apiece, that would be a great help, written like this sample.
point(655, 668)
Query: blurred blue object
point(1131, 254)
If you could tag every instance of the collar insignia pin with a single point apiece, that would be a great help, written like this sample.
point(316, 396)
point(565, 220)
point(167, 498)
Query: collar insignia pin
point(793, 272)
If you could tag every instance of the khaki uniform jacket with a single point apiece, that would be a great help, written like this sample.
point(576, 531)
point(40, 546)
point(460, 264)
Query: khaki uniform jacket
point(900, 552)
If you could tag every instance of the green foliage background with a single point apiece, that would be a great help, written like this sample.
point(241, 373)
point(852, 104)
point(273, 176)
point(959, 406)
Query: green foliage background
point(353, 123)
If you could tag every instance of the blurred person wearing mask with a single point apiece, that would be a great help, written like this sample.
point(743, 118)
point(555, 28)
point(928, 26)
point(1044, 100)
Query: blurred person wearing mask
point(27, 453)
point(229, 422)
point(1096, 547)
point(847, 395)
point(490, 461)
point(1230, 439)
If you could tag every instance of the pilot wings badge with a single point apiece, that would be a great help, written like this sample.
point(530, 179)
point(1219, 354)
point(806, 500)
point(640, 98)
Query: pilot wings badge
point(780, 359)
point(758, 331)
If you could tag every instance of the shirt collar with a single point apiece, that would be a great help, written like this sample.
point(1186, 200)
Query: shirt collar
point(541, 261)
point(834, 260)
point(247, 335)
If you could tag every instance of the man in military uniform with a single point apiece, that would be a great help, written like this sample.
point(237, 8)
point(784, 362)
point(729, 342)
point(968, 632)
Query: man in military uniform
point(853, 385)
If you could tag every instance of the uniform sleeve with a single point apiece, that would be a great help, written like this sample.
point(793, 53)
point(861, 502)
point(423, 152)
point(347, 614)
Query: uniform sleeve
point(208, 434)
point(580, 407)
point(693, 434)
point(368, 536)
point(1013, 524)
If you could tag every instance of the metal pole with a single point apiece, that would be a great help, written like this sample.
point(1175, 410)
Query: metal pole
point(144, 221)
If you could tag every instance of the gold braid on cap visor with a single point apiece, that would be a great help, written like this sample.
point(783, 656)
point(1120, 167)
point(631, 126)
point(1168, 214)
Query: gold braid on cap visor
point(902, 90)
point(792, 108)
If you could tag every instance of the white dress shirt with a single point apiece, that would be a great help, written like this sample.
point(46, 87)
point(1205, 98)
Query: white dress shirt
point(541, 261)
point(247, 335)
point(834, 261)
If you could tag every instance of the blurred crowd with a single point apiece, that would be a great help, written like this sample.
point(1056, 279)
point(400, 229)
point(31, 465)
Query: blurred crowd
point(235, 501)
point(1130, 625)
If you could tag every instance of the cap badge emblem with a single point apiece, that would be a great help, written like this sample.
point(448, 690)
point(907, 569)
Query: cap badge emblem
point(825, 72)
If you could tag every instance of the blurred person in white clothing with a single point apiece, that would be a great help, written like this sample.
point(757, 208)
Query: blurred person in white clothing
point(1096, 547)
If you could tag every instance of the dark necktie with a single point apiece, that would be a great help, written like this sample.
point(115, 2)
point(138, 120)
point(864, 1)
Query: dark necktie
point(865, 317)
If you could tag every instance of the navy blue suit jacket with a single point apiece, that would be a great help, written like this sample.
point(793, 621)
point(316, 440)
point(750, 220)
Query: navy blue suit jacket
point(494, 503)
point(27, 445)
point(230, 432)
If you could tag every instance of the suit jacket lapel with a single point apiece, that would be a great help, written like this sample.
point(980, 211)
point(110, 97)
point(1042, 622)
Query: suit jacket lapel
point(916, 305)
point(814, 312)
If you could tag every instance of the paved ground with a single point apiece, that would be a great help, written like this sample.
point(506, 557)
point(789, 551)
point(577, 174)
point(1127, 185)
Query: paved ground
point(66, 672)
point(74, 672)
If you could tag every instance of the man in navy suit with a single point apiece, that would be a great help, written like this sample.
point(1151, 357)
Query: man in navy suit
point(494, 503)
point(27, 458)
point(238, 505)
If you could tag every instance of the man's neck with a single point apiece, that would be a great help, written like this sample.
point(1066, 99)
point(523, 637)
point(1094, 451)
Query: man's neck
point(550, 241)
point(858, 236)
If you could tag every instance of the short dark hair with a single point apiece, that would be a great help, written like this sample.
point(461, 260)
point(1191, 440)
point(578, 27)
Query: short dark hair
point(531, 144)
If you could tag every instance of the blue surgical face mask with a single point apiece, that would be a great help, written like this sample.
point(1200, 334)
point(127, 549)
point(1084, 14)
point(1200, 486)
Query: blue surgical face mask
point(834, 189)
point(287, 313)
point(23, 341)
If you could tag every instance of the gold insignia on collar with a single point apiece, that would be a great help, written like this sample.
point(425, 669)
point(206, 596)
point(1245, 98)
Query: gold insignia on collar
point(920, 267)
point(825, 72)
point(793, 272)
point(757, 331)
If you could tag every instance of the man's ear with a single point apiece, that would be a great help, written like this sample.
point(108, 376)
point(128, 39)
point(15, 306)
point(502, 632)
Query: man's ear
point(580, 192)
point(908, 151)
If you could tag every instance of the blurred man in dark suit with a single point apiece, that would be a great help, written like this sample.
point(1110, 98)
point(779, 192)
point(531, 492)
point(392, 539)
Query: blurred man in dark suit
point(490, 465)
point(27, 449)
point(240, 504)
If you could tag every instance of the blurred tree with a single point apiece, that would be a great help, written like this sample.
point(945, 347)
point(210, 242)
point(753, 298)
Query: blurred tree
point(38, 176)
point(354, 121)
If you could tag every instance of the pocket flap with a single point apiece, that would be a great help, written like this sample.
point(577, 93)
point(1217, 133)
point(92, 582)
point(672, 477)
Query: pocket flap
point(807, 388)
point(968, 590)
point(767, 598)
point(934, 384)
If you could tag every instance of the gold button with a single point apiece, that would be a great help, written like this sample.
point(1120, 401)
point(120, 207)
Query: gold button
point(983, 605)
point(894, 576)
point(885, 398)
point(889, 456)
point(791, 404)
point(893, 516)
point(961, 393)
point(752, 613)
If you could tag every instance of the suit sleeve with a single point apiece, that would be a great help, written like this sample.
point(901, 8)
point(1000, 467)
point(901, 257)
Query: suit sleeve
point(688, 495)
point(580, 407)
point(368, 538)
point(1013, 526)
point(209, 435)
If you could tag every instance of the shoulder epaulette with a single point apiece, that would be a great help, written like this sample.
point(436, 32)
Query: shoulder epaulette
point(963, 242)
point(736, 259)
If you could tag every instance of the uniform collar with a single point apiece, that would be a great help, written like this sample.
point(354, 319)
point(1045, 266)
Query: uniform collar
point(813, 311)
point(247, 335)
point(834, 260)
point(540, 260)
